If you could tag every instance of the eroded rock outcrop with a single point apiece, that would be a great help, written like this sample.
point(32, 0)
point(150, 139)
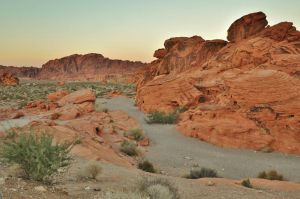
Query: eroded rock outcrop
point(241, 94)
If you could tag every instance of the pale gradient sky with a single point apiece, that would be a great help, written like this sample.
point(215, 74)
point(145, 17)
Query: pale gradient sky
point(35, 31)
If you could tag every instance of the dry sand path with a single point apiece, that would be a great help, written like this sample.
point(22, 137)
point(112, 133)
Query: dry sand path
point(176, 154)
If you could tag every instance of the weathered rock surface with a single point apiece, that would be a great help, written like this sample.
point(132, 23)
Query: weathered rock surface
point(7, 79)
point(241, 94)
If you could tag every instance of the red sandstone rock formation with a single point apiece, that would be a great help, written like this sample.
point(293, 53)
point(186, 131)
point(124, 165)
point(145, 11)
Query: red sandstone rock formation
point(8, 79)
point(241, 94)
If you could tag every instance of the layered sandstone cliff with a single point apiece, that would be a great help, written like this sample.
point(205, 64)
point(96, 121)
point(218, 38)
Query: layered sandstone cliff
point(241, 94)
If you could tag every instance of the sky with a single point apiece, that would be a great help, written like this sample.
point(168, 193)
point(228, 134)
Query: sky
point(35, 31)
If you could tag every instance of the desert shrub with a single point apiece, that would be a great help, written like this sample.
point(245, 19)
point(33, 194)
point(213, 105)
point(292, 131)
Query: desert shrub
point(136, 134)
point(202, 173)
point(147, 166)
point(91, 170)
point(247, 183)
point(129, 148)
point(158, 188)
point(162, 118)
point(271, 175)
point(37, 156)
point(181, 109)
point(105, 110)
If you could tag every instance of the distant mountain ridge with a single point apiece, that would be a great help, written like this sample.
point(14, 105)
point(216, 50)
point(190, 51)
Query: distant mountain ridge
point(91, 66)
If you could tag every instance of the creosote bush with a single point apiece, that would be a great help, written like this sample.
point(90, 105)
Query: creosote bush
point(36, 155)
point(129, 148)
point(158, 188)
point(202, 173)
point(147, 166)
point(247, 183)
point(271, 175)
point(135, 134)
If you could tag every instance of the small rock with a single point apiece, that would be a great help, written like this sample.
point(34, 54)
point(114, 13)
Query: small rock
point(13, 189)
point(211, 183)
point(17, 115)
point(40, 189)
point(187, 158)
point(260, 191)
point(2, 181)
point(60, 170)
point(87, 188)
point(2, 134)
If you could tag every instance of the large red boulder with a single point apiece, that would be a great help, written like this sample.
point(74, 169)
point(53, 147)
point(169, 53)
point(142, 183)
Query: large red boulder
point(78, 97)
point(247, 26)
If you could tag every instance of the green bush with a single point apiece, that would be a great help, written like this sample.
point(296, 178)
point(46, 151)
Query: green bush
point(162, 118)
point(158, 188)
point(129, 148)
point(136, 134)
point(37, 156)
point(202, 173)
point(147, 166)
point(271, 175)
point(247, 183)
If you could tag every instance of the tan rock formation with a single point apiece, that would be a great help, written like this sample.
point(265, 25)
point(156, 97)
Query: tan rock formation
point(8, 79)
